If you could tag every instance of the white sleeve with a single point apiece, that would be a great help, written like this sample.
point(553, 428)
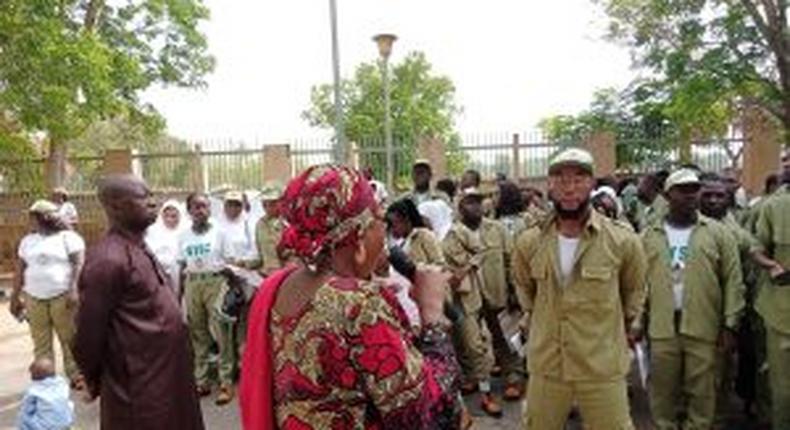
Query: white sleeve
point(23, 245)
point(73, 241)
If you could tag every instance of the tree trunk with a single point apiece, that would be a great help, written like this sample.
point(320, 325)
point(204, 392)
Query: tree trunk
point(56, 164)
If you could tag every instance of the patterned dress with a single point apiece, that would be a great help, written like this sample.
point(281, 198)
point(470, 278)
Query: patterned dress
point(348, 361)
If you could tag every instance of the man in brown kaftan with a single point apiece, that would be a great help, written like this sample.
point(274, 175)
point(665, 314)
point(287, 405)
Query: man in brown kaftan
point(131, 343)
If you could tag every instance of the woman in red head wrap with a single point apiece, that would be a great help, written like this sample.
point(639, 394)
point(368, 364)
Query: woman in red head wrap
point(326, 347)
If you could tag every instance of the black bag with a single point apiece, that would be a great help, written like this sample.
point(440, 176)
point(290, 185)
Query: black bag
point(233, 301)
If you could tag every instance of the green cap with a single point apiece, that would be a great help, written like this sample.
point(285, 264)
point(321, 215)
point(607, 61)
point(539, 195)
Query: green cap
point(572, 157)
point(681, 177)
point(43, 207)
point(272, 192)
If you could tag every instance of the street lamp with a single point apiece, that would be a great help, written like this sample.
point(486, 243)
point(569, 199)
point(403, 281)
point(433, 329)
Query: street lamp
point(340, 138)
point(385, 42)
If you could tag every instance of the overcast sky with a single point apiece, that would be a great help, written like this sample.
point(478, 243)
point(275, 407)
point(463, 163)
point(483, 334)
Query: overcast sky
point(513, 61)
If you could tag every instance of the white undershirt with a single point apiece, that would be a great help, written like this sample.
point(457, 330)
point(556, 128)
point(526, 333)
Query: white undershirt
point(678, 239)
point(567, 251)
point(48, 271)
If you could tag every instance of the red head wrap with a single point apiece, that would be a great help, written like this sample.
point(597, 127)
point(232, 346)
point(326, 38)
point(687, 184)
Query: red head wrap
point(326, 207)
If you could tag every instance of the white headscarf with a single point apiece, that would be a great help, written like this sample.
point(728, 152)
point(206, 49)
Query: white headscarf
point(439, 214)
point(162, 240)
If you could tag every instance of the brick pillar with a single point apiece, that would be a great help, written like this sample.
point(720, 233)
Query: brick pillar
point(602, 146)
point(117, 161)
point(277, 163)
point(198, 174)
point(433, 149)
point(762, 151)
point(516, 160)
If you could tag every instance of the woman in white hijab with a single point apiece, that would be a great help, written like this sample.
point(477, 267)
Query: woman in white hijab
point(162, 238)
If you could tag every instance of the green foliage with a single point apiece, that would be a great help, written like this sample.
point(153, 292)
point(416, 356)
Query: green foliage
point(422, 105)
point(708, 58)
point(67, 64)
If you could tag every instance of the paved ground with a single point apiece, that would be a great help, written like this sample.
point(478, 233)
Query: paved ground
point(16, 354)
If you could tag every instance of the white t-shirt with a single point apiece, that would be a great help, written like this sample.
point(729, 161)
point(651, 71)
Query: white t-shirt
point(49, 272)
point(238, 239)
point(567, 251)
point(678, 239)
point(201, 253)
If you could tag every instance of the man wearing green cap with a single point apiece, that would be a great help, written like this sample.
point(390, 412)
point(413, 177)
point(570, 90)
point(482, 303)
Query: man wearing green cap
point(580, 280)
point(695, 302)
point(773, 299)
point(268, 231)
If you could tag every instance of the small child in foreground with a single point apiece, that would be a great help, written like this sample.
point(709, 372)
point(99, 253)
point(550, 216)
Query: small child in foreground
point(46, 404)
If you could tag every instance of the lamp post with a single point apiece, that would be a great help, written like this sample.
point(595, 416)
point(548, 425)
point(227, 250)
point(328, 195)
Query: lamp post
point(340, 137)
point(385, 42)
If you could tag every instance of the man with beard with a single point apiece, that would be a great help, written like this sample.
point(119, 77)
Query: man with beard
point(580, 278)
point(695, 302)
point(421, 176)
point(131, 343)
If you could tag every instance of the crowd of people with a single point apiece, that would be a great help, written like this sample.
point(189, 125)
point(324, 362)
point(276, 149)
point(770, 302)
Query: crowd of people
point(346, 306)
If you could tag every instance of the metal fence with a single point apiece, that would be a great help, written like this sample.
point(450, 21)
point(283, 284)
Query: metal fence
point(222, 164)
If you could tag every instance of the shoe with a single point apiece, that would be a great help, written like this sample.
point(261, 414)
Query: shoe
point(490, 405)
point(203, 390)
point(225, 395)
point(513, 392)
point(468, 388)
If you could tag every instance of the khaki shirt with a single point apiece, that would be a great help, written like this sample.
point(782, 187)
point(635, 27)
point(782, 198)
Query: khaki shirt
point(773, 231)
point(577, 329)
point(713, 290)
point(647, 215)
point(267, 236)
point(423, 247)
point(495, 251)
point(463, 249)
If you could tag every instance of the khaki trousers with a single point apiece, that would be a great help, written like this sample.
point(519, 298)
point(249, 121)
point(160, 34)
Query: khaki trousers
point(472, 348)
point(512, 365)
point(205, 328)
point(603, 405)
point(46, 316)
point(682, 368)
point(778, 355)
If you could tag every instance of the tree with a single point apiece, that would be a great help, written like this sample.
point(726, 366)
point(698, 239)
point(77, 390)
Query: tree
point(710, 58)
point(66, 64)
point(422, 105)
point(634, 115)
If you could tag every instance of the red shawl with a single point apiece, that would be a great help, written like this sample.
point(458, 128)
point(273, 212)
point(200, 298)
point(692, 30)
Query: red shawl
point(257, 366)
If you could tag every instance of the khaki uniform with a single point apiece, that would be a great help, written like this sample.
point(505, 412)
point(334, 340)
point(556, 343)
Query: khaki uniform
point(418, 198)
point(773, 302)
point(646, 215)
point(423, 247)
point(683, 344)
point(202, 292)
point(577, 350)
point(267, 236)
point(725, 363)
point(496, 251)
point(46, 316)
point(463, 248)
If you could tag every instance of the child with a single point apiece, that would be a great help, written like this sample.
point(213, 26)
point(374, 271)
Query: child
point(46, 404)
